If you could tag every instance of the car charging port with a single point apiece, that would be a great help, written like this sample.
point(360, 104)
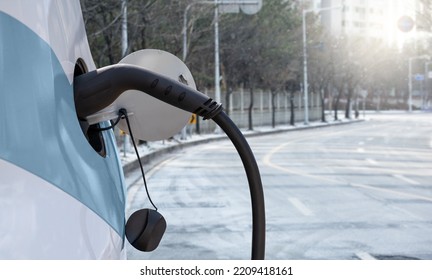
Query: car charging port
point(93, 132)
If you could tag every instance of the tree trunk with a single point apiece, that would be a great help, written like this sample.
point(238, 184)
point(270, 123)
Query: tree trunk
point(378, 103)
point(273, 97)
point(348, 107)
point(323, 118)
point(251, 104)
point(227, 102)
point(357, 112)
point(336, 105)
point(292, 116)
point(349, 101)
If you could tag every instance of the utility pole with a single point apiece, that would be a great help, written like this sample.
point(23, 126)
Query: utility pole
point(247, 6)
point(410, 76)
point(305, 70)
point(124, 44)
point(124, 28)
point(216, 45)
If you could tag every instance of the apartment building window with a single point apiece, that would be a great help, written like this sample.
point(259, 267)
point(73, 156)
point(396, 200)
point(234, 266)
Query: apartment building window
point(360, 10)
point(376, 25)
point(359, 24)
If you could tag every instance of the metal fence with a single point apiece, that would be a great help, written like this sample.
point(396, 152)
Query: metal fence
point(239, 102)
point(238, 110)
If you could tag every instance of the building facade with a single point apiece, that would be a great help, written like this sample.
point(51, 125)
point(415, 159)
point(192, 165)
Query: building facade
point(375, 20)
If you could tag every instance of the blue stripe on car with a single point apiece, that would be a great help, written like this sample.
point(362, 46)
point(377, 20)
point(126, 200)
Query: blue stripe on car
point(39, 130)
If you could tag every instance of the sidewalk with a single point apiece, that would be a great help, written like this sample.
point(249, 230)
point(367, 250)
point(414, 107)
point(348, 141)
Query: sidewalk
point(154, 150)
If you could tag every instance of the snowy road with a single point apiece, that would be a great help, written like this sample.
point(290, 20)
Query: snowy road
point(358, 191)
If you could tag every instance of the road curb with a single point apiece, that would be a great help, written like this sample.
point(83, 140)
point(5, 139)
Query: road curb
point(145, 159)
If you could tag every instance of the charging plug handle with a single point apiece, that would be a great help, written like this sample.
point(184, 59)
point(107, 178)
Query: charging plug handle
point(98, 89)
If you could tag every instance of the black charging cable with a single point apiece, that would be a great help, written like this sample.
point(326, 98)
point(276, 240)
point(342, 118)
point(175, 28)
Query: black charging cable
point(255, 184)
point(252, 173)
point(122, 113)
point(113, 124)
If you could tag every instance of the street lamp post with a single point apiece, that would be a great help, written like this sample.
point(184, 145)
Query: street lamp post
point(305, 75)
point(124, 45)
point(426, 85)
point(216, 45)
point(410, 60)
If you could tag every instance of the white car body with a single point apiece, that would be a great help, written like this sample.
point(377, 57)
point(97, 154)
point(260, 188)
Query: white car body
point(59, 198)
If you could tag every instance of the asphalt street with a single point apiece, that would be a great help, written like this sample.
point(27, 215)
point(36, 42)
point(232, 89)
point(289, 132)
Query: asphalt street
point(357, 191)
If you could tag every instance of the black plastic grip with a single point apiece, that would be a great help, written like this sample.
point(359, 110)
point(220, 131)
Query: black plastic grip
point(98, 89)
